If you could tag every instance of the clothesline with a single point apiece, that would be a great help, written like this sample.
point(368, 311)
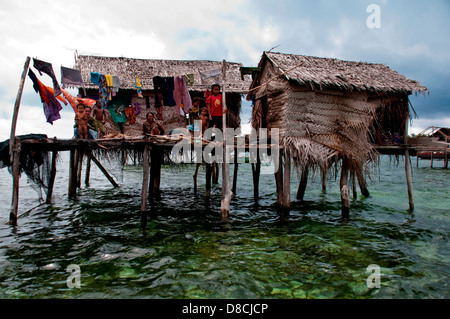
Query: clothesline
point(174, 89)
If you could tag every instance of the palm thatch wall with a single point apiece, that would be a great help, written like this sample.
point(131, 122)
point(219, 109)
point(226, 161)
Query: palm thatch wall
point(127, 69)
point(327, 107)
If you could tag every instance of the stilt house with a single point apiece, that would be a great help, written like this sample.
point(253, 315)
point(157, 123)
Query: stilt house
point(145, 70)
point(329, 109)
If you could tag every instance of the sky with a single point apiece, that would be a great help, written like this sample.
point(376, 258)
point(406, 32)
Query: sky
point(411, 37)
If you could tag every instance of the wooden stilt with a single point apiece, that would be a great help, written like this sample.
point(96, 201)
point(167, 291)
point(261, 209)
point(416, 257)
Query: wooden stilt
point(16, 178)
point(51, 182)
point(324, 173)
point(215, 173)
point(226, 185)
point(345, 191)
point(279, 180)
point(72, 173)
point(104, 171)
point(256, 173)
point(88, 171)
point(79, 166)
point(235, 173)
point(287, 181)
point(144, 194)
point(12, 138)
point(208, 179)
point(353, 177)
point(195, 177)
point(431, 159)
point(303, 183)
point(446, 159)
point(408, 171)
point(155, 172)
point(361, 181)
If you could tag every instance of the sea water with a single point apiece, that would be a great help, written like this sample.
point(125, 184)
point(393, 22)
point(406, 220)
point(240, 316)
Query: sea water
point(183, 250)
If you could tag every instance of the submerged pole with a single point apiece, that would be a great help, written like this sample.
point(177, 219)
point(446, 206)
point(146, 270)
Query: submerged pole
point(408, 171)
point(345, 190)
point(16, 178)
point(51, 182)
point(287, 181)
point(144, 193)
point(72, 173)
point(303, 182)
point(104, 171)
point(279, 180)
point(226, 187)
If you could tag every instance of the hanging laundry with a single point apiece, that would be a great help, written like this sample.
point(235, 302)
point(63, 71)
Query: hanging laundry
point(131, 116)
point(170, 85)
point(103, 92)
point(159, 85)
point(137, 109)
point(47, 68)
point(109, 84)
point(181, 95)
point(115, 84)
point(189, 79)
point(138, 87)
point(51, 105)
point(95, 78)
point(71, 77)
point(207, 94)
point(211, 76)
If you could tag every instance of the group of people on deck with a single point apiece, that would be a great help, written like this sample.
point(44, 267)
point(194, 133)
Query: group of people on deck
point(92, 126)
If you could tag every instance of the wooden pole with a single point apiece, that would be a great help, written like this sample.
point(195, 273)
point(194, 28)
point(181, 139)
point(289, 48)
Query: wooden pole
point(79, 166)
point(226, 191)
point(195, 177)
point(12, 139)
point(353, 177)
point(72, 173)
point(208, 179)
point(144, 194)
point(256, 173)
point(408, 171)
point(361, 180)
point(51, 182)
point(155, 171)
point(345, 191)
point(324, 171)
point(408, 168)
point(279, 180)
point(287, 181)
point(431, 159)
point(104, 171)
point(16, 178)
point(303, 183)
point(235, 172)
point(88, 171)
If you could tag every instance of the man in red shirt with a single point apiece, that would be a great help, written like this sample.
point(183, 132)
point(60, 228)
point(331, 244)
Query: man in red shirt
point(214, 105)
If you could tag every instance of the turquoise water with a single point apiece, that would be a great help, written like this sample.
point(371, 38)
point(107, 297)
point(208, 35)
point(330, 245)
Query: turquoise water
point(185, 251)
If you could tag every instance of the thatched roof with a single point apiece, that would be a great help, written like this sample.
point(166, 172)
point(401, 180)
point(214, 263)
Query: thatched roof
point(327, 73)
point(127, 69)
